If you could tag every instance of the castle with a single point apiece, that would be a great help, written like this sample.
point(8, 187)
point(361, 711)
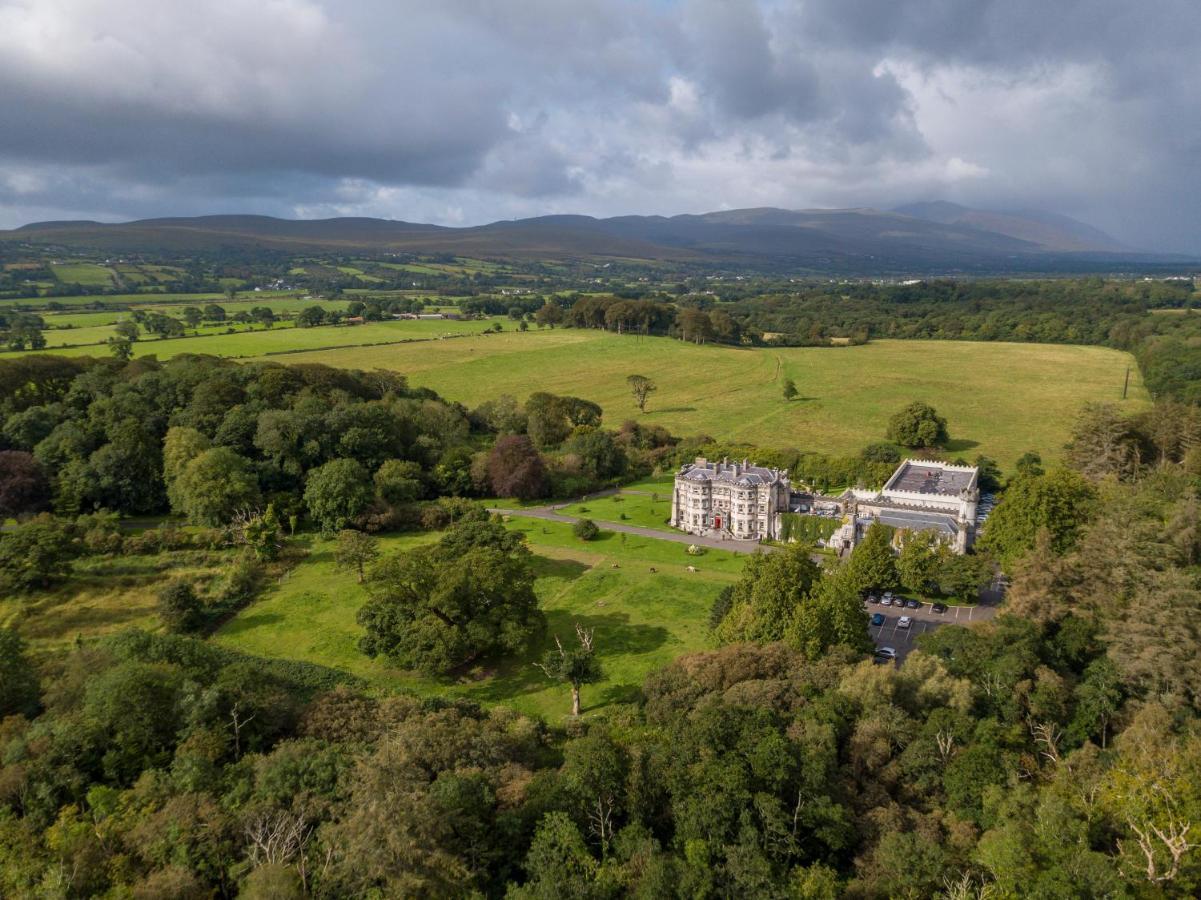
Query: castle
point(747, 502)
point(735, 500)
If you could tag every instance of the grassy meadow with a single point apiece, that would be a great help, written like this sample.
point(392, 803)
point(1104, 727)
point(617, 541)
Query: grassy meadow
point(642, 620)
point(1000, 399)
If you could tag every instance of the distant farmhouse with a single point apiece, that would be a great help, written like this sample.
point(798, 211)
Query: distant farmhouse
point(741, 501)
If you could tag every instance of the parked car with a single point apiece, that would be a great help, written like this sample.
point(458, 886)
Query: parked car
point(873, 598)
point(878, 619)
point(939, 608)
point(904, 622)
point(886, 653)
point(913, 604)
point(887, 601)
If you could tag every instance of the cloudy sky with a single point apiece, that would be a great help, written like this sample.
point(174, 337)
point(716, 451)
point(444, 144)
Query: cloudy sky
point(467, 111)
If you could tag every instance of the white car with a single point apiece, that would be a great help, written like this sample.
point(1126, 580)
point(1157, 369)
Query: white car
point(904, 622)
point(886, 651)
point(887, 601)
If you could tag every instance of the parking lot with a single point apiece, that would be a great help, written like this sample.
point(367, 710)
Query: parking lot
point(890, 634)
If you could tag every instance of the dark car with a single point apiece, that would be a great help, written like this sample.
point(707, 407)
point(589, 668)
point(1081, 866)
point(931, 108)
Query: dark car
point(939, 608)
point(913, 604)
point(878, 619)
point(873, 598)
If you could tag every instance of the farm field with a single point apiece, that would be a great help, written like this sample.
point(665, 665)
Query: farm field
point(642, 620)
point(1000, 399)
point(285, 338)
point(87, 274)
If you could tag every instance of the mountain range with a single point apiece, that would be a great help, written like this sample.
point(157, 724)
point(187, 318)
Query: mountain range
point(935, 236)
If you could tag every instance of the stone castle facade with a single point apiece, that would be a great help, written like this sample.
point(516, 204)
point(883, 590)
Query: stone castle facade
point(733, 500)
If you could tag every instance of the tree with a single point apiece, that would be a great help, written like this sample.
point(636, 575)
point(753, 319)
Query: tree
point(310, 317)
point(585, 529)
point(920, 561)
point(179, 607)
point(214, 486)
point(641, 387)
point(768, 596)
point(214, 313)
point(790, 391)
point(576, 667)
point(399, 481)
point(192, 316)
point(24, 487)
point(337, 492)
point(35, 554)
point(1060, 502)
point(439, 607)
point(126, 330)
point(1104, 442)
point(355, 551)
point(918, 425)
point(19, 688)
point(872, 564)
point(550, 314)
point(515, 468)
point(120, 348)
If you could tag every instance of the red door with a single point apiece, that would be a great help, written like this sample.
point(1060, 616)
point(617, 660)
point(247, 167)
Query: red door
point(717, 521)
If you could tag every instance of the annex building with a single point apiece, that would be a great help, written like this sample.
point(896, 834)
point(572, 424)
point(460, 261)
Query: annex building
point(921, 495)
point(743, 501)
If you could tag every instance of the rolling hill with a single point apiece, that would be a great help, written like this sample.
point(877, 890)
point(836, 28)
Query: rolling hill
point(921, 237)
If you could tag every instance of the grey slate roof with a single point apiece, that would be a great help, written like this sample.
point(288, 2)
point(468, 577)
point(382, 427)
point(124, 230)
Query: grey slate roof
point(915, 520)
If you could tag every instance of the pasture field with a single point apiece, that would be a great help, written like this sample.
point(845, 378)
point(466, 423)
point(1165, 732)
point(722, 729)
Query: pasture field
point(1000, 399)
point(642, 620)
point(83, 273)
point(286, 338)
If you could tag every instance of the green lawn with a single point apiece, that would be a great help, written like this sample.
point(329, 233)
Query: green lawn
point(642, 620)
point(1000, 399)
point(630, 509)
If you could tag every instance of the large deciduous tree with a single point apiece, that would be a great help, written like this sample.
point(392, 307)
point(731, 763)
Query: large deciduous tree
point(337, 492)
point(918, 425)
point(24, 487)
point(768, 596)
point(1060, 502)
point(515, 468)
point(439, 607)
point(19, 687)
point(212, 488)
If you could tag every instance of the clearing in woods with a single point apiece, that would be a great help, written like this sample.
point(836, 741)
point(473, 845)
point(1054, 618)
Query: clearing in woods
point(642, 619)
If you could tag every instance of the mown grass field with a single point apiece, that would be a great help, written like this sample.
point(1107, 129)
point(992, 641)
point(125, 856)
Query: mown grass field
point(999, 399)
point(642, 620)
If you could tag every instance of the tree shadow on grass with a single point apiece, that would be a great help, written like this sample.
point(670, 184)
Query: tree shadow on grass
point(675, 409)
point(567, 569)
point(958, 445)
point(612, 633)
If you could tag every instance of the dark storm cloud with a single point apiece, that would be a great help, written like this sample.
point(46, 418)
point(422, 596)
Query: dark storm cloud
point(470, 110)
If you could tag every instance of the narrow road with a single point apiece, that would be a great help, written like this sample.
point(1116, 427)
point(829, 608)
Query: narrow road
point(548, 514)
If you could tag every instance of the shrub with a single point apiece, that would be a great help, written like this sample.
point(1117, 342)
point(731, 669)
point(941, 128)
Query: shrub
point(242, 579)
point(179, 607)
point(585, 530)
